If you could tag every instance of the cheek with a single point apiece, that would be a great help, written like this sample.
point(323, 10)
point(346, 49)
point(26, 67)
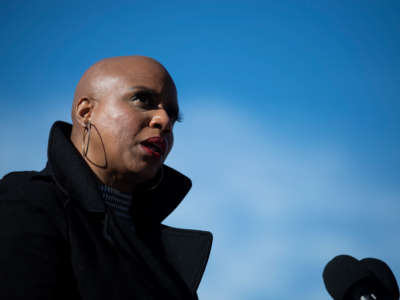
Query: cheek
point(126, 133)
point(119, 129)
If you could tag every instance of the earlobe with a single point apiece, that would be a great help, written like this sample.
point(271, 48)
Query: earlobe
point(83, 110)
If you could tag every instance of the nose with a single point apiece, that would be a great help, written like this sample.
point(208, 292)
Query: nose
point(161, 120)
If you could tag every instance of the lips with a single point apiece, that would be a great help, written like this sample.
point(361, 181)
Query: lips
point(155, 146)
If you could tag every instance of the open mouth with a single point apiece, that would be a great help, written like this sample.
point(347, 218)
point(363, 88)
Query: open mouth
point(155, 146)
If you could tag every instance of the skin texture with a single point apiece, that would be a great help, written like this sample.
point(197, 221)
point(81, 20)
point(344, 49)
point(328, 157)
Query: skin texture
point(126, 100)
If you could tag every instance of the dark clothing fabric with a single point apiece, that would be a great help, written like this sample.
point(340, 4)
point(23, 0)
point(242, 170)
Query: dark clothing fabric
point(119, 202)
point(60, 241)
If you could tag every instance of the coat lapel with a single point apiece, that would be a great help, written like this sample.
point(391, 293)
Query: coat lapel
point(187, 251)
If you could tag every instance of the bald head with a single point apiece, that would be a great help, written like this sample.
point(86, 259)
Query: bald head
point(99, 80)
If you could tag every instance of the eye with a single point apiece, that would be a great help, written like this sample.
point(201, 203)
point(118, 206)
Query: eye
point(144, 99)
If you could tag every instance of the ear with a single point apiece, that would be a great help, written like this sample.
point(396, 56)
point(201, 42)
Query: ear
point(83, 110)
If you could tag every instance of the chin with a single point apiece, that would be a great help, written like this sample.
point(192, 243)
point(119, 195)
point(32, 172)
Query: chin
point(153, 173)
point(148, 173)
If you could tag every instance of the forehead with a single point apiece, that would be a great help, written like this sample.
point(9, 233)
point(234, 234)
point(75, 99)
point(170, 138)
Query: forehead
point(158, 81)
point(122, 76)
point(146, 74)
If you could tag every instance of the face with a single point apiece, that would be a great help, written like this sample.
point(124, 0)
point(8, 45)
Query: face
point(134, 116)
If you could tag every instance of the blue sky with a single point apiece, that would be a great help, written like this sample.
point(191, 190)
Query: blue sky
point(291, 129)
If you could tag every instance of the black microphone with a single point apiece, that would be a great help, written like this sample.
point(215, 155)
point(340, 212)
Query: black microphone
point(347, 278)
point(385, 276)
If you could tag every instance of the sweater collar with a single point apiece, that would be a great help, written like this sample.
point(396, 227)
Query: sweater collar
point(76, 179)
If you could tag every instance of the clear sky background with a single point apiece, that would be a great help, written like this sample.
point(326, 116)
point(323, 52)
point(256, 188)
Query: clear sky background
point(291, 130)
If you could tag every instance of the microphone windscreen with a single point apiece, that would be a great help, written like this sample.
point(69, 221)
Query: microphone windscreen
point(385, 276)
point(341, 273)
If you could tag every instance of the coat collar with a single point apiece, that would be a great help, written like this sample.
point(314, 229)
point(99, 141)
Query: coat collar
point(71, 173)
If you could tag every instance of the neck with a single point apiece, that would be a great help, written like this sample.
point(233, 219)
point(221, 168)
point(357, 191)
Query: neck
point(123, 183)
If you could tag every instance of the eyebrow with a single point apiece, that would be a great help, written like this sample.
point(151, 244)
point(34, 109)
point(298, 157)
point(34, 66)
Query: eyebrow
point(144, 89)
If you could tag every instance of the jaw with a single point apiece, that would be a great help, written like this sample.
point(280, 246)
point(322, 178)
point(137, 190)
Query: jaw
point(130, 169)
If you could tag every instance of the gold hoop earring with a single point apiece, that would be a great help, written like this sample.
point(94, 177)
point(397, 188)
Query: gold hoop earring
point(160, 178)
point(85, 143)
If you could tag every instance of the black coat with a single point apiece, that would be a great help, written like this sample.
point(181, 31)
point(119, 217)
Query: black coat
point(59, 240)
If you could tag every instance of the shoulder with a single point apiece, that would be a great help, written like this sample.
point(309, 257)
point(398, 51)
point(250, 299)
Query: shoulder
point(28, 197)
point(33, 248)
point(27, 186)
point(16, 178)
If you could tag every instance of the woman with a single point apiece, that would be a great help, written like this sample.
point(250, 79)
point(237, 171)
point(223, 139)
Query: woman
point(89, 225)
